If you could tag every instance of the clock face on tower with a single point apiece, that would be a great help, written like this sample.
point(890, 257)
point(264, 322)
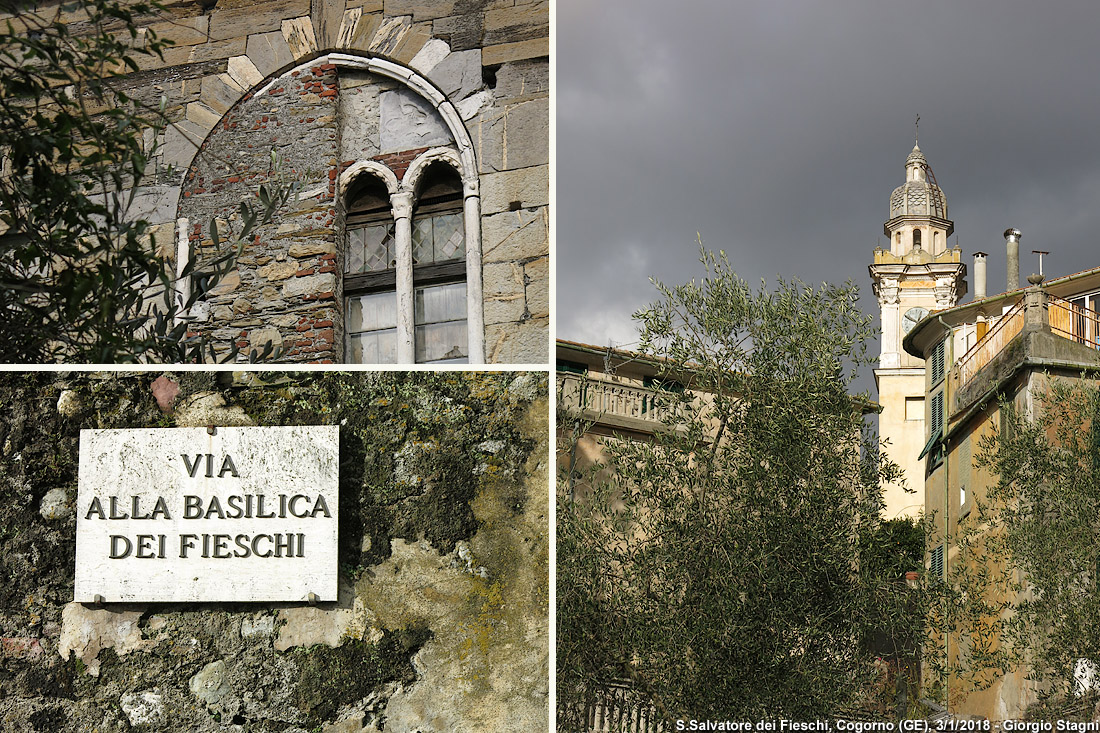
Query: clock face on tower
point(911, 317)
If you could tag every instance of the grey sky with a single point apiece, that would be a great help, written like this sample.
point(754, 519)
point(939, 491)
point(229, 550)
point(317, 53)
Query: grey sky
point(777, 130)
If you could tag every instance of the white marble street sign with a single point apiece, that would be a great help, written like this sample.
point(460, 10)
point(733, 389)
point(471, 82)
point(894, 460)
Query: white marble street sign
point(178, 514)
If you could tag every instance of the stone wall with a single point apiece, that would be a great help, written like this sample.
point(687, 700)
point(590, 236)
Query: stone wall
point(240, 86)
point(442, 617)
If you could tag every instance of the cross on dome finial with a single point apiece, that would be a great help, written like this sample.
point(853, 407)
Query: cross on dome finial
point(916, 132)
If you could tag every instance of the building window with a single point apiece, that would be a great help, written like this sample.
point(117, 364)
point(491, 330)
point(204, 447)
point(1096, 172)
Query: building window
point(935, 564)
point(1085, 317)
point(937, 448)
point(914, 408)
point(916, 238)
point(934, 448)
point(370, 293)
point(937, 411)
point(937, 362)
point(573, 367)
point(373, 293)
point(439, 268)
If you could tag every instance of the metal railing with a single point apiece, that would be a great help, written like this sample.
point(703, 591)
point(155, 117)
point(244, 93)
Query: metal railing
point(608, 398)
point(1073, 322)
point(618, 708)
point(980, 354)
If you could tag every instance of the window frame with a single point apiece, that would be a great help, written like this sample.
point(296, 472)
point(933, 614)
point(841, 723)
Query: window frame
point(372, 282)
point(406, 207)
point(376, 280)
point(936, 563)
point(447, 272)
point(438, 273)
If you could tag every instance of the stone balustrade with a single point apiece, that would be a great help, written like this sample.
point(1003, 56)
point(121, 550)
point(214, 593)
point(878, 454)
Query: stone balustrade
point(610, 402)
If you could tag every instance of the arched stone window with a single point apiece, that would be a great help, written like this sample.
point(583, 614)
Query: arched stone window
point(439, 267)
point(378, 259)
point(406, 286)
point(370, 261)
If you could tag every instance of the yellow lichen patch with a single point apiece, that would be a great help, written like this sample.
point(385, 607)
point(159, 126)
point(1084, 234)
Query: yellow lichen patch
point(474, 650)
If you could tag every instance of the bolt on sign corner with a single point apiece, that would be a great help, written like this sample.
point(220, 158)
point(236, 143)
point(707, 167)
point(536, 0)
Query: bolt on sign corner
point(194, 514)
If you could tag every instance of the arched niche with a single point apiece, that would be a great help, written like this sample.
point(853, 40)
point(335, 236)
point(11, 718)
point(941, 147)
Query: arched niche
point(314, 126)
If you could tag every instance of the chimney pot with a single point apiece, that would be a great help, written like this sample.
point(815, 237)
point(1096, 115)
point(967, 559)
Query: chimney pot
point(1012, 244)
point(979, 275)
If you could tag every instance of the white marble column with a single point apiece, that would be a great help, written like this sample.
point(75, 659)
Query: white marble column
point(890, 304)
point(475, 302)
point(182, 285)
point(402, 216)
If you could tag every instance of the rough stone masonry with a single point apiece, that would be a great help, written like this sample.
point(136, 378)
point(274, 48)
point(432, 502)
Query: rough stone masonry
point(279, 92)
point(442, 617)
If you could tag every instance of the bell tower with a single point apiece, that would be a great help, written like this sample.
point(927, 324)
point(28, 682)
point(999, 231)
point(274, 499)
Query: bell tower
point(915, 275)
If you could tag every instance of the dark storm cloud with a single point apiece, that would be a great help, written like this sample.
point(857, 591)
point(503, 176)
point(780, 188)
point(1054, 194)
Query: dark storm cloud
point(777, 130)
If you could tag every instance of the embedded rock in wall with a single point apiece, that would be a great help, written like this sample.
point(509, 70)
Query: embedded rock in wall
point(329, 624)
point(208, 408)
point(87, 631)
point(55, 504)
point(407, 122)
point(360, 118)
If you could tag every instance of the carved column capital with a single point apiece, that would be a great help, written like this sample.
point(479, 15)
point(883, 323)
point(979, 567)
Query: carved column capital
point(402, 203)
point(887, 291)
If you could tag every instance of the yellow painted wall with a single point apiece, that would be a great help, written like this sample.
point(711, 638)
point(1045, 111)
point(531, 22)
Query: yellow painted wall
point(906, 439)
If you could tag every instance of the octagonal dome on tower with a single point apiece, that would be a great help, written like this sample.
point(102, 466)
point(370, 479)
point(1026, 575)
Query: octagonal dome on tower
point(918, 196)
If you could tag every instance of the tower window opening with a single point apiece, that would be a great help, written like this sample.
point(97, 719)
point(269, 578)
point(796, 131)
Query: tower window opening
point(916, 239)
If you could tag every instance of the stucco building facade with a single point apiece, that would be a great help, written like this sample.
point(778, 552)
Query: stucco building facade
point(1012, 346)
point(943, 369)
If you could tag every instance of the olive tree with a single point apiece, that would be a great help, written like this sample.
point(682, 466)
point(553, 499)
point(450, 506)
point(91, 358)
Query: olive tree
point(1039, 576)
point(725, 567)
point(82, 278)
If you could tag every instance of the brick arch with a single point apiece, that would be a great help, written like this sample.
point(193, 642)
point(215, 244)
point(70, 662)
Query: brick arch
point(212, 182)
point(242, 70)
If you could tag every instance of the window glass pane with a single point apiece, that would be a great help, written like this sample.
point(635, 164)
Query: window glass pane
point(440, 333)
point(441, 342)
point(379, 244)
point(354, 260)
point(373, 347)
point(437, 238)
point(448, 237)
point(370, 248)
point(371, 312)
point(371, 322)
point(422, 241)
point(440, 303)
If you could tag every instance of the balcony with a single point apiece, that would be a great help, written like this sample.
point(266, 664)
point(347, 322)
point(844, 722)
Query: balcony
point(992, 343)
point(1072, 321)
point(1054, 324)
point(614, 405)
